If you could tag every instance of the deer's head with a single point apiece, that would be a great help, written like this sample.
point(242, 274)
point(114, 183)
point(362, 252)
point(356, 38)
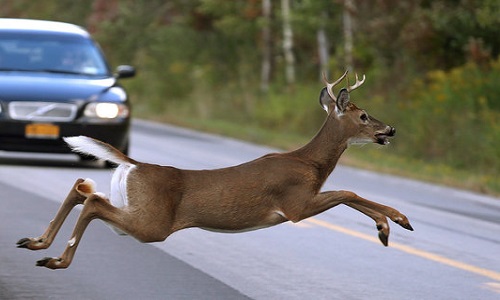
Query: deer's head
point(356, 123)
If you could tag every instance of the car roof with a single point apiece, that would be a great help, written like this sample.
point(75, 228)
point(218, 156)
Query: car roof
point(29, 25)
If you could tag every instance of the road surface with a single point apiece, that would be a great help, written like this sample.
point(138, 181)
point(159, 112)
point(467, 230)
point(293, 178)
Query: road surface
point(454, 252)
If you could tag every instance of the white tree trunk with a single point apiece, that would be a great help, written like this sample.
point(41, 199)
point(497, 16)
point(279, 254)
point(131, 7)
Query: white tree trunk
point(288, 42)
point(267, 46)
point(349, 9)
point(323, 53)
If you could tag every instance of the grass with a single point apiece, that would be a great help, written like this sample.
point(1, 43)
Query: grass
point(369, 157)
point(384, 161)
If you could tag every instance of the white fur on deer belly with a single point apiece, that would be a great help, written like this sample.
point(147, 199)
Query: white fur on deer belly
point(118, 196)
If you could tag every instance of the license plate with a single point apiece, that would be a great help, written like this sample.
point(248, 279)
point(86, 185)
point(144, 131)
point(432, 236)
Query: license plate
point(42, 131)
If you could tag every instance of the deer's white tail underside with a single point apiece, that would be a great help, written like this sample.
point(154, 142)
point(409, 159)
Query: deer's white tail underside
point(89, 146)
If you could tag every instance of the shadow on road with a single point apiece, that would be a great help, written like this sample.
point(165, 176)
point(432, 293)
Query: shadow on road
point(48, 160)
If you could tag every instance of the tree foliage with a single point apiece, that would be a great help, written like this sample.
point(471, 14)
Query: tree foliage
point(431, 64)
point(418, 35)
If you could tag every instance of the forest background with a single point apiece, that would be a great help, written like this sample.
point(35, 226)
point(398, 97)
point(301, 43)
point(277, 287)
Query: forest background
point(252, 69)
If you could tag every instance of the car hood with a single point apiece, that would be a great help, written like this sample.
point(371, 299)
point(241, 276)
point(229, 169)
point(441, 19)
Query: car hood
point(48, 87)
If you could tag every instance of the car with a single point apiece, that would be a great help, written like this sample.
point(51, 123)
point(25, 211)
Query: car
point(55, 82)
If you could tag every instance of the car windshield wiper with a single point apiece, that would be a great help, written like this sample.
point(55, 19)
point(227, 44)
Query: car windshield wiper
point(57, 71)
point(15, 70)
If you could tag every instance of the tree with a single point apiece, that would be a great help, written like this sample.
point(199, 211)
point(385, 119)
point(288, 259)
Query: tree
point(349, 9)
point(267, 45)
point(288, 42)
point(323, 49)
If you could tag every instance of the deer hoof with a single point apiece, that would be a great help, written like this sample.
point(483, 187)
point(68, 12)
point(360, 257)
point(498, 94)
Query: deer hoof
point(32, 244)
point(51, 263)
point(383, 238)
point(44, 261)
point(383, 234)
point(23, 243)
point(407, 226)
point(403, 222)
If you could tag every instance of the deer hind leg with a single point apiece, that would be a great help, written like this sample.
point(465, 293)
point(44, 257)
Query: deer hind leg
point(76, 196)
point(143, 227)
point(96, 206)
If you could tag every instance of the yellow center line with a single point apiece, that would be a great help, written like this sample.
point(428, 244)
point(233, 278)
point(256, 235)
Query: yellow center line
point(410, 250)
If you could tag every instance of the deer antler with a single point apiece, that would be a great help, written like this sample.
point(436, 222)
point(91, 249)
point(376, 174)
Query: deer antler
point(356, 85)
point(329, 86)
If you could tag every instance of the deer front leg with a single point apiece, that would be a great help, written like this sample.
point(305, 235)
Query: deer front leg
point(75, 196)
point(380, 220)
point(374, 210)
point(395, 216)
point(95, 206)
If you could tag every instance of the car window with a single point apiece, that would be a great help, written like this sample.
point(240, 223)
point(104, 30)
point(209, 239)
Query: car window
point(51, 53)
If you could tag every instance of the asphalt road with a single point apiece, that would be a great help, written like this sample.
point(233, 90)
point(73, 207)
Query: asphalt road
point(454, 252)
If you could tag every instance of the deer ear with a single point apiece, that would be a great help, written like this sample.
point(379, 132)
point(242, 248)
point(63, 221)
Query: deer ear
point(324, 99)
point(342, 100)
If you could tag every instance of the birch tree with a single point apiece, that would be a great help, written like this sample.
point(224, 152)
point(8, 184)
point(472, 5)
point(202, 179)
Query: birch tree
point(322, 40)
point(267, 46)
point(349, 8)
point(288, 42)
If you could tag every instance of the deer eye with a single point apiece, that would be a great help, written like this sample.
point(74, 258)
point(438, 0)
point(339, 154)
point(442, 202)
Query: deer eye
point(364, 117)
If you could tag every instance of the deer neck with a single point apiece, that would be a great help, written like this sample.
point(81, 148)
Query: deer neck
point(326, 147)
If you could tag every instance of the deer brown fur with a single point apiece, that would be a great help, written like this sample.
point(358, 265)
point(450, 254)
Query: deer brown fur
point(150, 202)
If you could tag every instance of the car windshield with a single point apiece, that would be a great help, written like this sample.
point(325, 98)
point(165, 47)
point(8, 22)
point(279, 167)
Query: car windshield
point(51, 53)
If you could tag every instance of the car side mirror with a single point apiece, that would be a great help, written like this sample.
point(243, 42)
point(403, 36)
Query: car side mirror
point(125, 71)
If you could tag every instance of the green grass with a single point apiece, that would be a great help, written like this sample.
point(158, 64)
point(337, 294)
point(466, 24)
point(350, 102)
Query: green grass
point(387, 162)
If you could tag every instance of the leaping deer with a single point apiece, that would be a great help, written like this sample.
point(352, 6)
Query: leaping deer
point(150, 202)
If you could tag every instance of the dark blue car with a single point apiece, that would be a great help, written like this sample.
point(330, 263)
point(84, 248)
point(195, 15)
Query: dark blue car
point(55, 82)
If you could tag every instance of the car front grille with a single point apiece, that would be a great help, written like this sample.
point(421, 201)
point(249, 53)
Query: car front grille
point(42, 111)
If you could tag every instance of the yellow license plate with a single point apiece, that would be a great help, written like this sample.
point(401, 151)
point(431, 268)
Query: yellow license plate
point(42, 131)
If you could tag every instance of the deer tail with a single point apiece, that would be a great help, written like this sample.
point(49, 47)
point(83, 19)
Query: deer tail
point(89, 146)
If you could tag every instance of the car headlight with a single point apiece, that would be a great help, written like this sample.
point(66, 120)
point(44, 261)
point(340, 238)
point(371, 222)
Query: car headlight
point(106, 110)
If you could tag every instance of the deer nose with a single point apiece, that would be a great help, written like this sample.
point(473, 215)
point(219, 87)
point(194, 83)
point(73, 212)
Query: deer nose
point(392, 131)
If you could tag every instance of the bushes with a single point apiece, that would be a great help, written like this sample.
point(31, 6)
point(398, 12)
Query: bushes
point(452, 118)
point(295, 110)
